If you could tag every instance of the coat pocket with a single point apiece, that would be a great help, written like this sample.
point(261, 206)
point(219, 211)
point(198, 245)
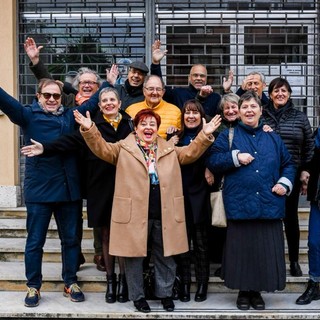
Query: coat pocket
point(121, 212)
point(178, 204)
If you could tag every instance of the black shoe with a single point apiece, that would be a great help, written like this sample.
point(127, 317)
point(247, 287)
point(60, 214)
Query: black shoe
point(111, 288)
point(312, 293)
point(176, 288)
point(99, 262)
point(142, 305)
point(295, 269)
point(184, 295)
point(217, 273)
point(168, 304)
point(256, 300)
point(122, 292)
point(243, 300)
point(201, 294)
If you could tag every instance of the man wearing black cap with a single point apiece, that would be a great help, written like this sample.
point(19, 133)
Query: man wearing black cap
point(131, 91)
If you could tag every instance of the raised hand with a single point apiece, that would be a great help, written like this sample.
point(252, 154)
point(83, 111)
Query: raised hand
point(157, 52)
point(205, 91)
point(211, 126)
point(32, 50)
point(227, 83)
point(34, 149)
point(85, 122)
point(112, 74)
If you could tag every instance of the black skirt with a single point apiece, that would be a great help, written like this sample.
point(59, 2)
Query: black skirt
point(254, 257)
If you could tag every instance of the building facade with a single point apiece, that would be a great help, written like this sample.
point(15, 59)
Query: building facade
point(278, 38)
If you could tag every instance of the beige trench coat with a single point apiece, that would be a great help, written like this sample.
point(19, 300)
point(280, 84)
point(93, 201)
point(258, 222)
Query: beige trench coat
point(129, 219)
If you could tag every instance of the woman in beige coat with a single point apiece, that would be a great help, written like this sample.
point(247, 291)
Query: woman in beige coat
point(148, 206)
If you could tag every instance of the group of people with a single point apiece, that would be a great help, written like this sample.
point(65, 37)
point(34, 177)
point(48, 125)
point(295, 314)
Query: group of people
point(146, 156)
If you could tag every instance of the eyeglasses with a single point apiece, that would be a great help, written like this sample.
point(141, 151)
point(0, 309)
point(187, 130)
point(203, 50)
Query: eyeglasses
point(47, 95)
point(151, 89)
point(89, 83)
point(196, 75)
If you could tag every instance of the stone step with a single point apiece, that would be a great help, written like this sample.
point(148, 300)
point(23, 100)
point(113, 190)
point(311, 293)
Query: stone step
point(12, 278)
point(20, 212)
point(12, 249)
point(218, 306)
point(16, 228)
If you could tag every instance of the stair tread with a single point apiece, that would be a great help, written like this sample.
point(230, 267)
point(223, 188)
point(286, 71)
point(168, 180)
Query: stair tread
point(10, 270)
point(21, 223)
point(217, 306)
point(51, 245)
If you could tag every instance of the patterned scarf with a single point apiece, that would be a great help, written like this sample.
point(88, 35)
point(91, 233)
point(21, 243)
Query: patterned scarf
point(114, 122)
point(80, 99)
point(149, 154)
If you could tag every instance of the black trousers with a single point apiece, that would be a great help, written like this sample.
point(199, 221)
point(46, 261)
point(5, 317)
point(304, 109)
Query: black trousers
point(198, 254)
point(291, 220)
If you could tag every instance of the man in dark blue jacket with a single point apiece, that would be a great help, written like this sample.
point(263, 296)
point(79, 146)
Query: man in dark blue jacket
point(51, 184)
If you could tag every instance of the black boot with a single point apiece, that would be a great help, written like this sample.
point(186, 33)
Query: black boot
point(184, 295)
point(122, 292)
point(295, 269)
point(201, 294)
point(111, 288)
point(312, 293)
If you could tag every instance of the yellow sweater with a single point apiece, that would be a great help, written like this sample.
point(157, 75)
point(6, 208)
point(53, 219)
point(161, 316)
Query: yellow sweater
point(169, 113)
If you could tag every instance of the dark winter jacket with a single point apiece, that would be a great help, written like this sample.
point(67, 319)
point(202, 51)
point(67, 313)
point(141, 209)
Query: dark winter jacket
point(128, 94)
point(195, 187)
point(51, 179)
point(247, 188)
point(178, 96)
point(314, 169)
point(98, 176)
point(294, 128)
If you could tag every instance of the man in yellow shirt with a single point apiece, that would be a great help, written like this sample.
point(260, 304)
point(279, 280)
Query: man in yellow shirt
point(153, 91)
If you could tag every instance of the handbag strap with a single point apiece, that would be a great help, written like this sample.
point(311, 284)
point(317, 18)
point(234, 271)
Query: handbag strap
point(230, 138)
point(231, 134)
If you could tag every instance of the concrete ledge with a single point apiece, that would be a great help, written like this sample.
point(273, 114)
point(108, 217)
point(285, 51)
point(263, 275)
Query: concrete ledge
point(217, 306)
point(10, 196)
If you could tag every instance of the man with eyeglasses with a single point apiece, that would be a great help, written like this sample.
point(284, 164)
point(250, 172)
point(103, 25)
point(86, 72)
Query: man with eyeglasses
point(153, 90)
point(85, 82)
point(197, 88)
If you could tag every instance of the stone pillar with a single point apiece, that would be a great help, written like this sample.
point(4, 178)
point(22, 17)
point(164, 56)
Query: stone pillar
point(10, 193)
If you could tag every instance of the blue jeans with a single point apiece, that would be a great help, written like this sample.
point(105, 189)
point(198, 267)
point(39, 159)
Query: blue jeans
point(314, 242)
point(38, 218)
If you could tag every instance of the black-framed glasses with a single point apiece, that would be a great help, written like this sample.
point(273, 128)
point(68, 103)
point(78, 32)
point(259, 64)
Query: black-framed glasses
point(89, 83)
point(47, 95)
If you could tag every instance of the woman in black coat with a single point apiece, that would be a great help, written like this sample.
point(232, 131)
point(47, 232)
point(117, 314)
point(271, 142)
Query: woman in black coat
point(99, 178)
point(294, 128)
point(197, 207)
